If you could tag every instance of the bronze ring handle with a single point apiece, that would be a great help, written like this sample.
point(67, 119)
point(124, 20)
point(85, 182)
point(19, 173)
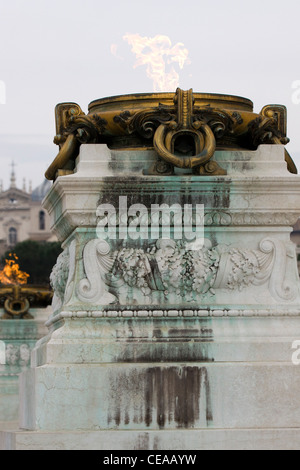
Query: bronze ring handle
point(185, 162)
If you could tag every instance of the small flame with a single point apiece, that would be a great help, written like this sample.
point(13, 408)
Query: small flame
point(156, 53)
point(11, 273)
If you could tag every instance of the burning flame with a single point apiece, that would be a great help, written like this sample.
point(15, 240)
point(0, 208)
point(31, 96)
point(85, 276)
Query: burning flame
point(11, 273)
point(156, 53)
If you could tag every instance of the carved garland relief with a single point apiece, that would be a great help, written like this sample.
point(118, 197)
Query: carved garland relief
point(168, 268)
point(17, 355)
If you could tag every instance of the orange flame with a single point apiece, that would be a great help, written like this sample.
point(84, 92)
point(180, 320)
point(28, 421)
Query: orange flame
point(156, 52)
point(11, 273)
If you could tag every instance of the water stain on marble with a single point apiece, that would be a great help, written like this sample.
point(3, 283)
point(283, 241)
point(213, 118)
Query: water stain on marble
point(161, 397)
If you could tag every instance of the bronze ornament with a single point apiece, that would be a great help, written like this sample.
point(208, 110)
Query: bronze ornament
point(17, 300)
point(184, 128)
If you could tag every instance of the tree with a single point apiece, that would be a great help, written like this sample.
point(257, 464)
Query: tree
point(36, 259)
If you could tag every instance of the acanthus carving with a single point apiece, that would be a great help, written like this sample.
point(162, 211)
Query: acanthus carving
point(62, 277)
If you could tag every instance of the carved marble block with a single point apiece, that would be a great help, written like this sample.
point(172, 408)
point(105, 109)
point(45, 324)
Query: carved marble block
point(154, 333)
point(245, 259)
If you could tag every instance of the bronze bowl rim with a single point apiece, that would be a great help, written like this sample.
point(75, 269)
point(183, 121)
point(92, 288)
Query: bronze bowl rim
point(106, 103)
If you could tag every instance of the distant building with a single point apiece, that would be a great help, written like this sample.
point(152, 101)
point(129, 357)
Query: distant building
point(22, 216)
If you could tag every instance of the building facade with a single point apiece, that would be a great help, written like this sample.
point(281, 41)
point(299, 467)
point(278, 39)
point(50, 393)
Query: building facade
point(22, 216)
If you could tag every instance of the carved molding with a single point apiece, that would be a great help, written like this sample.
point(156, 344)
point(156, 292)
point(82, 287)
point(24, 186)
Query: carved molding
point(264, 218)
point(168, 267)
point(227, 218)
point(175, 313)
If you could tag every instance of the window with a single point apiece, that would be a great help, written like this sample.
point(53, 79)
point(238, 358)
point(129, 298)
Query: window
point(12, 236)
point(42, 220)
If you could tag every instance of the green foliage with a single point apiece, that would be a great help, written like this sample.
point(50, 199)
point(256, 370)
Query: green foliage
point(36, 259)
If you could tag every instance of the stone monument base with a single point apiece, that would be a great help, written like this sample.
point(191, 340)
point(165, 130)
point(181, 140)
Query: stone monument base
point(152, 344)
point(19, 337)
point(236, 389)
point(213, 439)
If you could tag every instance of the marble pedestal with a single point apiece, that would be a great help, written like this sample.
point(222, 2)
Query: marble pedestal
point(154, 345)
point(18, 338)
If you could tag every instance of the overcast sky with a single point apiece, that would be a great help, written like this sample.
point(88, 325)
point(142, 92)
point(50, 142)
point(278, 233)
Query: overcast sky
point(53, 51)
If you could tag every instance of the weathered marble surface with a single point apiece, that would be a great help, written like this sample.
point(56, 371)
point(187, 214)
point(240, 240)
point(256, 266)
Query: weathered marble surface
point(242, 199)
point(213, 439)
point(247, 251)
point(19, 338)
point(162, 396)
point(148, 337)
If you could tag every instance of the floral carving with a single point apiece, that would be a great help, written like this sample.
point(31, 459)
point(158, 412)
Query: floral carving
point(58, 279)
point(170, 268)
point(135, 268)
point(167, 267)
point(17, 355)
point(245, 267)
point(62, 277)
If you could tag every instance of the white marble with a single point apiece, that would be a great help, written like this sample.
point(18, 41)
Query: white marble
point(257, 198)
point(161, 396)
point(213, 439)
point(151, 345)
point(18, 338)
